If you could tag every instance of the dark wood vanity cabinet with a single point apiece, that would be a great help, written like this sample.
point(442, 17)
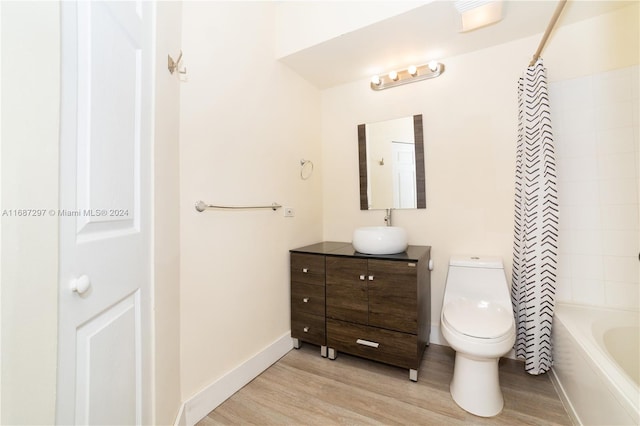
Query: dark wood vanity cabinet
point(377, 307)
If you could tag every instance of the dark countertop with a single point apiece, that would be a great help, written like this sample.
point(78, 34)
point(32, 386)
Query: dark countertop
point(336, 248)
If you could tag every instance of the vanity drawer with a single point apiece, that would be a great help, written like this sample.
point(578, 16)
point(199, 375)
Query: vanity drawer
point(396, 348)
point(308, 327)
point(307, 268)
point(307, 298)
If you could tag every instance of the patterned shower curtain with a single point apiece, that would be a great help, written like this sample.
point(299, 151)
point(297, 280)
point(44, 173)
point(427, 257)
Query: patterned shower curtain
point(535, 248)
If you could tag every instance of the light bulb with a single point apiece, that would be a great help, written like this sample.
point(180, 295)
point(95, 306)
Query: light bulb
point(413, 70)
point(375, 80)
point(393, 75)
point(433, 66)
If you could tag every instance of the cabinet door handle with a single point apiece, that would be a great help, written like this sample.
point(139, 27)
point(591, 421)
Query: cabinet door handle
point(305, 270)
point(367, 343)
point(370, 277)
point(305, 299)
point(306, 329)
point(361, 277)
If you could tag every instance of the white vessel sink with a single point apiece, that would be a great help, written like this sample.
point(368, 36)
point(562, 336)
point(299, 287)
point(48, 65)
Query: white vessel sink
point(380, 239)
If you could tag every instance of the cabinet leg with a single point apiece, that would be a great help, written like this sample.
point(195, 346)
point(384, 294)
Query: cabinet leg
point(413, 375)
point(296, 343)
point(332, 354)
point(323, 351)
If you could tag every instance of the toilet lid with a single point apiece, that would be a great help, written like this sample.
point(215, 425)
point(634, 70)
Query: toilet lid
point(478, 318)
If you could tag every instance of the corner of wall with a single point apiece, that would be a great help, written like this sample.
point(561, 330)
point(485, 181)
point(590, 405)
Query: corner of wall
point(166, 219)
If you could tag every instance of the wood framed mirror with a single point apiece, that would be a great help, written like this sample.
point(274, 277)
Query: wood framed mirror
point(391, 164)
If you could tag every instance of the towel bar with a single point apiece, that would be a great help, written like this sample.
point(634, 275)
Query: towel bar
point(202, 206)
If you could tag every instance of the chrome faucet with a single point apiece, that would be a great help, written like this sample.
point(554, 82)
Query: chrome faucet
point(387, 218)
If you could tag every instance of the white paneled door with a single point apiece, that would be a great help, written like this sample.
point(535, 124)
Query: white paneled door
point(104, 348)
point(404, 175)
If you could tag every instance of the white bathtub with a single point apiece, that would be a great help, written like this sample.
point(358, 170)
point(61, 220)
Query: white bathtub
point(595, 364)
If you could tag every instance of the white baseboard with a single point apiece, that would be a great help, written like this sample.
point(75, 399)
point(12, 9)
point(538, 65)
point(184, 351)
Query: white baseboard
point(436, 336)
point(181, 420)
point(205, 401)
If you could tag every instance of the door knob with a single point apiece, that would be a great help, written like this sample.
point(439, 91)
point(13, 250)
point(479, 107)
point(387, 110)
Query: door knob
point(80, 285)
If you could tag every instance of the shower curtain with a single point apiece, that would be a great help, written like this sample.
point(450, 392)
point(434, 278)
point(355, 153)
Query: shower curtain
point(535, 248)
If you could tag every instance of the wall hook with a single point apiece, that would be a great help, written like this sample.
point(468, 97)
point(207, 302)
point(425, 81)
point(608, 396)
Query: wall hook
point(175, 65)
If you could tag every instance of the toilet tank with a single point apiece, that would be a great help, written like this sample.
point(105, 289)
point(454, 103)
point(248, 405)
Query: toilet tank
point(477, 277)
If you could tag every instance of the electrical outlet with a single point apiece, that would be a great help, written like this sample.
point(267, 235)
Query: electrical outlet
point(289, 212)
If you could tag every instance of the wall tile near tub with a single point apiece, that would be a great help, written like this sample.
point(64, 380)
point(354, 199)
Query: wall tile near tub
point(614, 115)
point(613, 86)
point(587, 267)
point(617, 166)
point(618, 140)
point(621, 295)
point(595, 120)
point(619, 216)
point(619, 243)
point(620, 269)
point(587, 291)
point(618, 191)
point(576, 94)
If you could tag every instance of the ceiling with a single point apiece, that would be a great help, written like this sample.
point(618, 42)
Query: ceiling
point(428, 32)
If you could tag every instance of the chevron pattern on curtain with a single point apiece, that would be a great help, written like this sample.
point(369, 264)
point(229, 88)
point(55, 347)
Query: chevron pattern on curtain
point(535, 247)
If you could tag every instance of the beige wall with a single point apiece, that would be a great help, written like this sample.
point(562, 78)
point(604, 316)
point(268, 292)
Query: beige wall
point(246, 121)
point(470, 124)
point(166, 208)
point(30, 112)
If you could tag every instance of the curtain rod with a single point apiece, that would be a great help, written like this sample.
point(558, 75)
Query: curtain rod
point(552, 23)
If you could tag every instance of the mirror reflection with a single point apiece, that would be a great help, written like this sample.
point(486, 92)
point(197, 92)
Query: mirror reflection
point(391, 161)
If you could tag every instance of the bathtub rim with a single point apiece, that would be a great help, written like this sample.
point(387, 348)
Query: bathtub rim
point(621, 386)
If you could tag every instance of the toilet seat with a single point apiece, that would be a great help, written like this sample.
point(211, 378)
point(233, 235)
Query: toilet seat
point(479, 319)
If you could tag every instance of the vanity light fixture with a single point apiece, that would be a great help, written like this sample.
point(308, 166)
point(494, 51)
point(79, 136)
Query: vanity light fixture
point(412, 74)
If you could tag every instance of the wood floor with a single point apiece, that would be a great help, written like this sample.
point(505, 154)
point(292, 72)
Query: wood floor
point(303, 388)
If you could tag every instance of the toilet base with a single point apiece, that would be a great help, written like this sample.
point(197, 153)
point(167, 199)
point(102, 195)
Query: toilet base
point(475, 386)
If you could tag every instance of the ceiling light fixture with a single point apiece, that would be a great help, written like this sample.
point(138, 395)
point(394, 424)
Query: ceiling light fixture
point(410, 75)
point(478, 13)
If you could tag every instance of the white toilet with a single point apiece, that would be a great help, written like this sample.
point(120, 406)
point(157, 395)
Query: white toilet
point(477, 320)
